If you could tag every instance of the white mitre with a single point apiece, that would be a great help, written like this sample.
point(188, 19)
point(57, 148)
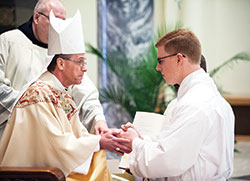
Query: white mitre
point(65, 36)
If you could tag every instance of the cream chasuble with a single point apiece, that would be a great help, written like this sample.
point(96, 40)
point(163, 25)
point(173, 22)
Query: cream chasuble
point(21, 61)
point(44, 130)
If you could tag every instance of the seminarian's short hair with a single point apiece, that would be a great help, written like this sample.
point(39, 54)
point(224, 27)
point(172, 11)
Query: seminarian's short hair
point(181, 41)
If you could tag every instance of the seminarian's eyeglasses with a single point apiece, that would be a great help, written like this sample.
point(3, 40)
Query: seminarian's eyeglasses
point(41, 13)
point(160, 59)
point(82, 63)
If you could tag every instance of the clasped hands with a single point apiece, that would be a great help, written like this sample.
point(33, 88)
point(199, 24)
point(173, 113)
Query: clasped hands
point(118, 140)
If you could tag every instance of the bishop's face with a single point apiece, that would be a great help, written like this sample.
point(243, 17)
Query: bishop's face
point(75, 68)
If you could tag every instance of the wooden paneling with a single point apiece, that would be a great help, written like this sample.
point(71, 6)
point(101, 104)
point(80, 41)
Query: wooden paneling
point(31, 173)
point(241, 108)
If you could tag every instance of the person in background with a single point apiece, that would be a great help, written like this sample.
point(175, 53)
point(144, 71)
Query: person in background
point(198, 143)
point(44, 128)
point(202, 64)
point(23, 53)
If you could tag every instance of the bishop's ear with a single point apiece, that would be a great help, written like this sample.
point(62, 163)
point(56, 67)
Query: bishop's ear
point(60, 63)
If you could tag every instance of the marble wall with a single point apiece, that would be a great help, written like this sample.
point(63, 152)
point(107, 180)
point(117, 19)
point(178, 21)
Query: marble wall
point(127, 26)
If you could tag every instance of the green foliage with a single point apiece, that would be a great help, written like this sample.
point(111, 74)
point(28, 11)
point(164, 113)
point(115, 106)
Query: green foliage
point(140, 87)
point(138, 81)
point(242, 56)
point(139, 84)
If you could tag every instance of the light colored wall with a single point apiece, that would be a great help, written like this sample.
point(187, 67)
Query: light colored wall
point(159, 16)
point(223, 28)
point(88, 10)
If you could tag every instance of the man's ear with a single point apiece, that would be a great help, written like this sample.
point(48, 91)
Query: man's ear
point(35, 18)
point(179, 58)
point(60, 63)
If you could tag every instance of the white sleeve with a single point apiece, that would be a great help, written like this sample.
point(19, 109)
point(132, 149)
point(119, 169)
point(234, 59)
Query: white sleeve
point(175, 151)
point(7, 94)
point(86, 97)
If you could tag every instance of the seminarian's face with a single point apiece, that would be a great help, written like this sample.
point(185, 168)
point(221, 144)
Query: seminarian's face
point(167, 66)
point(74, 69)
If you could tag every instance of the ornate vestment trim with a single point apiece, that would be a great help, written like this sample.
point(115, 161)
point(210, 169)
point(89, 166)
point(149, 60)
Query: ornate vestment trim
point(42, 92)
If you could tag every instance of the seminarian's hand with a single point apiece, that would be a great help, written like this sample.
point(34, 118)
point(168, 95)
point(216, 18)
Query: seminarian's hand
point(110, 141)
point(128, 126)
point(130, 133)
point(101, 127)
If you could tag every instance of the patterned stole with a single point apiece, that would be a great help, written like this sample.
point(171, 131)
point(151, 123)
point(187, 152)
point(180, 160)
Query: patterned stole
point(42, 92)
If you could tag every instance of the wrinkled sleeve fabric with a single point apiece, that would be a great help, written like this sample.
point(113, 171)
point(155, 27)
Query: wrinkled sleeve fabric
point(173, 151)
point(8, 94)
point(20, 62)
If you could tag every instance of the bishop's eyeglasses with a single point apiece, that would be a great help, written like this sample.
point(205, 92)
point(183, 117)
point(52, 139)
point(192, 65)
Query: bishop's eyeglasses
point(82, 63)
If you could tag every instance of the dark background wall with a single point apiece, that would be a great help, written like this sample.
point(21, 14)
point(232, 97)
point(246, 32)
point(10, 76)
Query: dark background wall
point(15, 12)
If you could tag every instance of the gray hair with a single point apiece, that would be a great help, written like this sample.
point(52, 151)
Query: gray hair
point(43, 5)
